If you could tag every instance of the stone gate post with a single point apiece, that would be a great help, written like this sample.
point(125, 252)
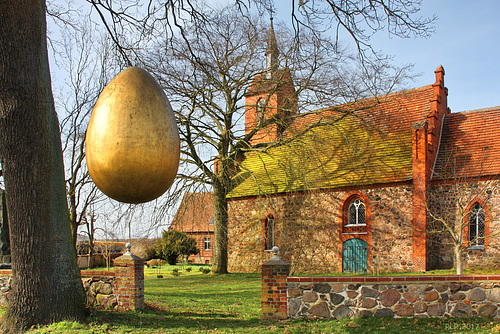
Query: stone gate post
point(129, 280)
point(273, 291)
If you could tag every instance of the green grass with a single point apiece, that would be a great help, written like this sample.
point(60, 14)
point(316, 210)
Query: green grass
point(166, 270)
point(197, 303)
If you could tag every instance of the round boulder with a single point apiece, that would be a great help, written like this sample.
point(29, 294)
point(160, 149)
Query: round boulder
point(389, 297)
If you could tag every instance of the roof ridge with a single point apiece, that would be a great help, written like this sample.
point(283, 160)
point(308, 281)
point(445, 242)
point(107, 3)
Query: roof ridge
point(385, 96)
point(476, 110)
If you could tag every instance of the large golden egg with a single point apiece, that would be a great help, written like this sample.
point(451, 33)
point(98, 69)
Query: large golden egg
point(132, 141)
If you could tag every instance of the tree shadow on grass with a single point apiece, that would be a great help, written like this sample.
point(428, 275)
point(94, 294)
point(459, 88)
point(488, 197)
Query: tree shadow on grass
point(156, 317)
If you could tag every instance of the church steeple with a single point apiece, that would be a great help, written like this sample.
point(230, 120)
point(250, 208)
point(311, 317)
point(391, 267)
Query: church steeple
point(271, 96)
point(272, 53)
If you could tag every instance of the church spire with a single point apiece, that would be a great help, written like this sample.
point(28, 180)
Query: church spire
point(272, 53)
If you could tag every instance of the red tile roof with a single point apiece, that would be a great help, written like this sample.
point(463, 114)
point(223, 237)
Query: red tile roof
point(470, 145)
point(391, 113)
point(195, 213)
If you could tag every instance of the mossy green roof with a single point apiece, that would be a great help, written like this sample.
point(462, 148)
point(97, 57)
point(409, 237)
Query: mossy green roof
point(372, 144)
point(345, 153)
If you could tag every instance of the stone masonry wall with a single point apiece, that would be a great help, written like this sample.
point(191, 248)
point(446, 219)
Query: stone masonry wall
point(445, 204)
point(98, 288)
point(410, 296)
point(122, 288)
point(4, 289)
point(309, 230)
point(97, 285)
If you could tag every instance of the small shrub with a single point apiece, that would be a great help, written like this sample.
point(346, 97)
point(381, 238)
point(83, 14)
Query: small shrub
point(205, 270)
point(188, 269)
point(176, 272)
point(155, 263)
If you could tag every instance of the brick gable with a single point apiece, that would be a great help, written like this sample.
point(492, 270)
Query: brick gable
point(193, 217)
point(194, 213)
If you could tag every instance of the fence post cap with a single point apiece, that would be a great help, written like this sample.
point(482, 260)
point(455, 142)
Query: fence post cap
point(275, 251)
point(128, 245)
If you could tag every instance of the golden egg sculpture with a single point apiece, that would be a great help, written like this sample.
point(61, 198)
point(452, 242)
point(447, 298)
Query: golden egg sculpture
point(132, 140)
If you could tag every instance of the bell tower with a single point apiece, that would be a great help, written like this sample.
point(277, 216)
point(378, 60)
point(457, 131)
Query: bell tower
point(270, 100)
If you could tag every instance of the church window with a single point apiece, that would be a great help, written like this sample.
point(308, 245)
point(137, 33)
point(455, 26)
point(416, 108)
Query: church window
point(261, 110)
point(356, 213)
point(477, 219)
point(270, 232)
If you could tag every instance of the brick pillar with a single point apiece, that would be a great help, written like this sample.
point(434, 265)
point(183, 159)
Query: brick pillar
point(420, 184)
point(273, 294)
point(129, 281)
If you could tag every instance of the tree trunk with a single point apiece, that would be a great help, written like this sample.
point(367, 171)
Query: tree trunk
point(46, 284)
point(73, 217)
point(458, 259)
point(219, 265)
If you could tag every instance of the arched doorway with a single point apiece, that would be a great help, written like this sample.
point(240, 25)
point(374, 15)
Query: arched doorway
point(355, 256)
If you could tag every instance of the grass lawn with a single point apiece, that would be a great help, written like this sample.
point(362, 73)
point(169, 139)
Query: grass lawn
point(198, 303)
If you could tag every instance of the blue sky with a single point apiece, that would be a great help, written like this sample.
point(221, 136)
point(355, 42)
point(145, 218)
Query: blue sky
point(466, 42)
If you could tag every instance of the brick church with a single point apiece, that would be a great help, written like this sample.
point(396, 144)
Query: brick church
point(369, 186)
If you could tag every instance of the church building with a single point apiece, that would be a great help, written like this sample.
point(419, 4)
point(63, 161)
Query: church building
point(389, 183)
point(372, 186)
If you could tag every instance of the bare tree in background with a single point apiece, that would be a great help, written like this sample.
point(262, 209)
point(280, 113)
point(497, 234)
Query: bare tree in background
point(355, 20)
point(358, 20)
point(87, 58)
point(207, 72)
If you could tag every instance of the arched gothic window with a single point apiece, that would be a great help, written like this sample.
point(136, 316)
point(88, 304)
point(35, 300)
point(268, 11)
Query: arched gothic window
point(477, 219)
point(270, 232)
point(356, 213)
point(261, 111)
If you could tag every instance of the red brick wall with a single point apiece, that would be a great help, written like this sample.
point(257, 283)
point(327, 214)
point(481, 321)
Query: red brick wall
point(281, 100)
point(204, 255)
point(421, 177)
point(128, 285)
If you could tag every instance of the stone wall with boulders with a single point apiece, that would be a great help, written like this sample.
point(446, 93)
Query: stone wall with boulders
point(403, 296)
point(4, 289)
point(98, 287)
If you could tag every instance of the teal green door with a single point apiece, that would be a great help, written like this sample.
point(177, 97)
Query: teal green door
point(354, 256)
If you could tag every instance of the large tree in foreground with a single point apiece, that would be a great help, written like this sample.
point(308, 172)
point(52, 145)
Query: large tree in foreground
point(46, 283)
